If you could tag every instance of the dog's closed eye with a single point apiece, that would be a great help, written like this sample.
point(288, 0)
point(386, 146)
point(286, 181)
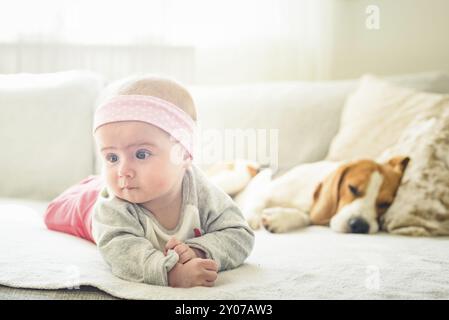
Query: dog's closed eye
point(383, 205)
point(354, 190)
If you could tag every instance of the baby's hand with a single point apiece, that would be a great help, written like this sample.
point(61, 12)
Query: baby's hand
point(196, 272)
point(184, 252)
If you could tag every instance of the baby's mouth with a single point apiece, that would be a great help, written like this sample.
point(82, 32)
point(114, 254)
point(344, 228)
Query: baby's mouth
point(128, 190)
point(126, 186)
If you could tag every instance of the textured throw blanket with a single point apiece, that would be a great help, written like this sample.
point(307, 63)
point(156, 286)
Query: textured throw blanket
point(314, 263)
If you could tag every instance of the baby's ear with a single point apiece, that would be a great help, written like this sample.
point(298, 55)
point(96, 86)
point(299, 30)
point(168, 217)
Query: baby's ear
point(187, 159)
point(179, 155)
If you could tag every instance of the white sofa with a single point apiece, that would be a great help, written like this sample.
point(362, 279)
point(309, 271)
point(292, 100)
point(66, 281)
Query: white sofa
point(45, 131)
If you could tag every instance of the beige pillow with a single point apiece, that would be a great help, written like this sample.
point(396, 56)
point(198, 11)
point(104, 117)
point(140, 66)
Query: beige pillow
point(421, 206)
point(376, 114)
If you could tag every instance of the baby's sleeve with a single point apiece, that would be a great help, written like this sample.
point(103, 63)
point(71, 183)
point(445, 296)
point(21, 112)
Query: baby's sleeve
point(226, 238)
point(121, 240)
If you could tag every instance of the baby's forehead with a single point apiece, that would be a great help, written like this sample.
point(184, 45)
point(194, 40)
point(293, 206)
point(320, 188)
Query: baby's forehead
point(130, 133)
point(131, 130)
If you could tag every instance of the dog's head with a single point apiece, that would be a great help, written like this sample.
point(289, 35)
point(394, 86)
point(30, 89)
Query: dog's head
point(357, 194)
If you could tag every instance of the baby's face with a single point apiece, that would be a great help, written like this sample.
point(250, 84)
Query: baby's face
point(137, 160)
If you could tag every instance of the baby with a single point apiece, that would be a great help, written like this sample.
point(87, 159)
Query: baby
point(159, 220)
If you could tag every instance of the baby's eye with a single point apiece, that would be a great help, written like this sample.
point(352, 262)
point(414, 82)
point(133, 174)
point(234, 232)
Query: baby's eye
point(142, 154)
point(112, 157)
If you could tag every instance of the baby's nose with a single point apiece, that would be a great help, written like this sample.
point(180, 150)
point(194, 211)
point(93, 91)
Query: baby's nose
point(126, 170)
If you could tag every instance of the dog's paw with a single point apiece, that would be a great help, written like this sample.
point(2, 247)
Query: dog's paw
point(274, 222)
point(254, 222)
point(414, 231)
point(279, 219)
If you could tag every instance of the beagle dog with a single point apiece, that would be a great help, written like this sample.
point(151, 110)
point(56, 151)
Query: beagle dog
point(349, 197)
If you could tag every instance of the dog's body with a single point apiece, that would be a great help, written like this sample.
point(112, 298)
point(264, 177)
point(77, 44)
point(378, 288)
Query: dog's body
point(285, 202)
point(350, 197)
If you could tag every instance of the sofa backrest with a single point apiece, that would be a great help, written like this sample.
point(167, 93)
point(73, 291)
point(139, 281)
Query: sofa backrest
point(45, 132)
point(306, 115)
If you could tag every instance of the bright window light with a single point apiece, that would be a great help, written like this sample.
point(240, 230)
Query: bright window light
point(196, 22)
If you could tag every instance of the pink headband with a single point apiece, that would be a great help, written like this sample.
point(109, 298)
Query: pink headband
point(152, 110)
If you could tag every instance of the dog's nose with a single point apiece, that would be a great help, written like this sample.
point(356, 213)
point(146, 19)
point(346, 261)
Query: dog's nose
point(358, 225)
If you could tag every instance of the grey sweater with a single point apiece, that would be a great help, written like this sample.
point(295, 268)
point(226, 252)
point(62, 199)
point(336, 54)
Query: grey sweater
point(122, 232)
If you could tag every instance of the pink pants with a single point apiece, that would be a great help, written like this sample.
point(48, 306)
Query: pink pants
point(71, 212)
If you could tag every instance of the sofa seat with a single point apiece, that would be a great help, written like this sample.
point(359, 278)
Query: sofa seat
point(314, 263)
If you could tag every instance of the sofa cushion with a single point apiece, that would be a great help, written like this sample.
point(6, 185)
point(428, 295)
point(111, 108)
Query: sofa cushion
point(45, 129)
point(421, 206)
point(376, 114)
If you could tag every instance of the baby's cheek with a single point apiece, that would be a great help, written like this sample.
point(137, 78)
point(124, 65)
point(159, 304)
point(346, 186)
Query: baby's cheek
point(111, 181)
point(166, 179)
point(162, 183)
point(110, 178)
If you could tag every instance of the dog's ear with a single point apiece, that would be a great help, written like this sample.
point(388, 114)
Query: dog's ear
point(326, 197)
point(399, 163)
point(253, 169)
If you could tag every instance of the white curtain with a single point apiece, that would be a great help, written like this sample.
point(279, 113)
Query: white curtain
point(199, 41)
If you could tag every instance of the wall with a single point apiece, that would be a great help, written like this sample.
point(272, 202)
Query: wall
point(304, 40)
point(112, 61)
point(413, 37)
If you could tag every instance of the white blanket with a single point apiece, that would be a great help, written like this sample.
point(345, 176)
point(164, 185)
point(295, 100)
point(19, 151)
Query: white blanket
point(314, 263)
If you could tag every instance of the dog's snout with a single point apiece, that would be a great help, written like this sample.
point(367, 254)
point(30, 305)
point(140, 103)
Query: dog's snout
point(358, 225)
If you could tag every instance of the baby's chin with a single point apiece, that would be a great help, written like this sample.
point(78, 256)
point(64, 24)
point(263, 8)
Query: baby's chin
point(132, 196)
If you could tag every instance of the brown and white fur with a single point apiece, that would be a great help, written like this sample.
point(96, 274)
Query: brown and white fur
point(349, 197)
